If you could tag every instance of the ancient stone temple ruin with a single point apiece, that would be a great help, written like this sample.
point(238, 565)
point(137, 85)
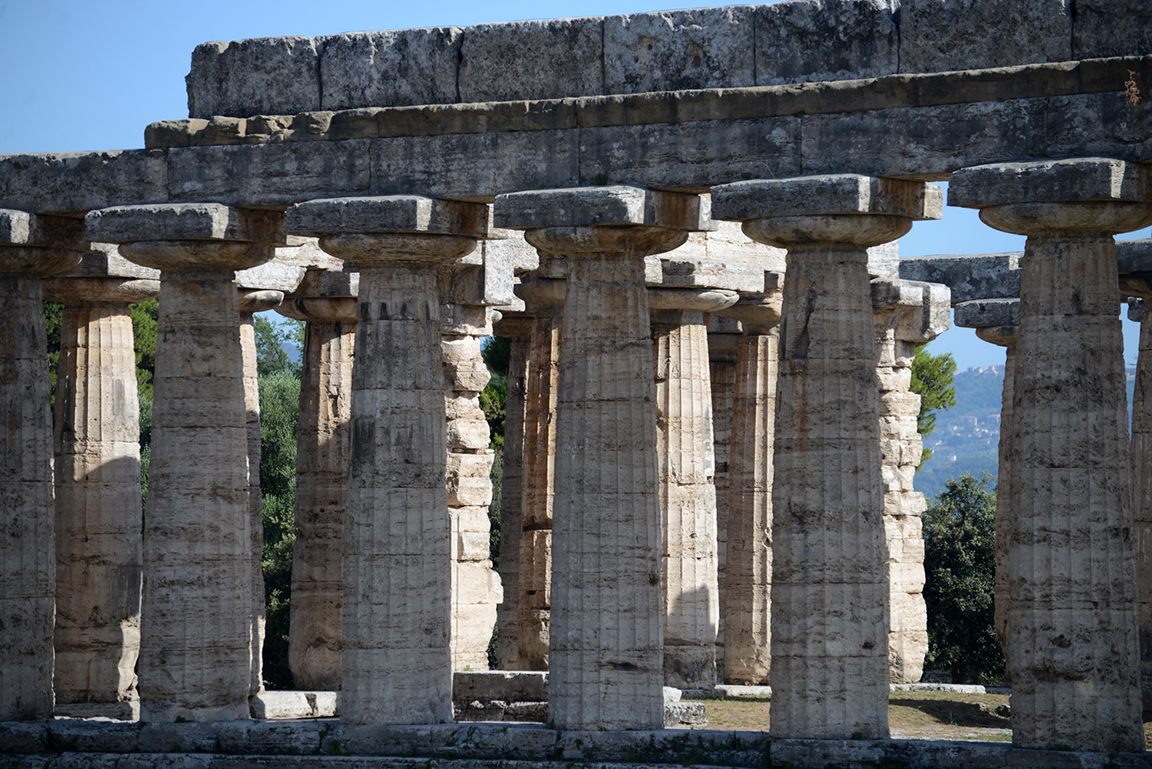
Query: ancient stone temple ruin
point(686, 223)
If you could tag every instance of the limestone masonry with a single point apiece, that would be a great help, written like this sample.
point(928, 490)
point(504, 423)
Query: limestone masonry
point(686, 224)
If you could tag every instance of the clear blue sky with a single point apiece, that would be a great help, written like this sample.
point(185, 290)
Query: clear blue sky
point(78, 76)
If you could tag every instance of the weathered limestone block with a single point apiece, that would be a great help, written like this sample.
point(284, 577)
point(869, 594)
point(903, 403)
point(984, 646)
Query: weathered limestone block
point(972, 278)
point(197, 613)
point(389, 69)
point(1111, 28)
point(396, 663)
point(906, 314)
point(1073, 651)
point(99, 548)
point(517, 329)
point(605, 663)
point(28, 558)
point(942, 35)
point(253, 301)
point(996, 321)
point(684, 447)
point(544, 297)
point(678, 50)
point(261, 76)
point(518, 60)
point(829, 588)
point(327, 302)
point(746, 610)
point(812, 40)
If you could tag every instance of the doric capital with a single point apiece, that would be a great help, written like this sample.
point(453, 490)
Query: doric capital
point(601, 207)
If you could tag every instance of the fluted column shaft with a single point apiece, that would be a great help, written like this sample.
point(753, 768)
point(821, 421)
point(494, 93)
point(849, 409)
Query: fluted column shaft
point(747, 606)
point(1072, 648)
point(315, 636)
point(518, 331)
point(722, 375)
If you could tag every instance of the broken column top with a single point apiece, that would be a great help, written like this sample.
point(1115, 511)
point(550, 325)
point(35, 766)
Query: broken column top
point(1076, 179)
point(827, 194)
point(928, 305)
point(388, 214)
point(600, 206)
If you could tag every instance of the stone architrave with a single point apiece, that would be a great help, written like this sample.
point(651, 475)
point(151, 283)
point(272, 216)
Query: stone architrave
point(252, 301)
point(605, 658)
point(906, 314)
point(829, 587)
point(1135, 263)
point(723, 336)
point(197, 610)
point(396, 664)
point(31, 247)
point(99, 547)
point(544, 298)
point(517, 329)
point(747, 598)
point(1073, 651)
point(996, 321)
point(684, 447)
point(326, 301)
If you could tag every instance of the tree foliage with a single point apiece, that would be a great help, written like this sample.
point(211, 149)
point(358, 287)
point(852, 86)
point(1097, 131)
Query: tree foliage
point(960, 576)
point(932, 381)
point(271, 357)
point(145, 318)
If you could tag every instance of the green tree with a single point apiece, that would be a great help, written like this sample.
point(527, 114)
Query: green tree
point(932, 381)
point(271, 357)
point(145, 317)
point(53, 324)
point(960, 576)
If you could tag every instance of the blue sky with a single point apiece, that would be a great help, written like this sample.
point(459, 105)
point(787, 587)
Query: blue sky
point(78, 76)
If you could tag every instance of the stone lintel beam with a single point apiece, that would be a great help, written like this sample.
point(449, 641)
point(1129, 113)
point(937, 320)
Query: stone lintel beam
point(969, 278)
point(601, 207)
point(1072, 566)
point(827, 194)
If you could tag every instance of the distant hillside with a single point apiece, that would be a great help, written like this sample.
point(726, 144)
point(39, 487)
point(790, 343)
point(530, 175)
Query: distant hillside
point(967, 437)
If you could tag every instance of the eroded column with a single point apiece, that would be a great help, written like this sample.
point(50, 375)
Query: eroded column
point(687, 469)
point(196, 627)
point(829, 588)
point(99, 547)
point(722, 342)
point(906, 314)
point(605, 663)
point(396, 665)
point(30, 247)
point(326, 301)
point(1073, 652)
point(748, 594)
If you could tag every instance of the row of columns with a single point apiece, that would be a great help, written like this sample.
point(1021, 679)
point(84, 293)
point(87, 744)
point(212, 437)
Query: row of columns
point(1071, 620)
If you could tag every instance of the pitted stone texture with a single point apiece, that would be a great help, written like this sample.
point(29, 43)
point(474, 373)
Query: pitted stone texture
point(1141, 448)
point(20, 228)
point(315, 636)
point(679, 50)
point(727, 244)
point(260, 76)
point(273, 275)
point(196, 646)
point(28, 559)
point(1111, 28)
point(827, 194)
point(184, 221)
point(814, 40)
point(389, 69)
point(944, 35)
point(748, 563)
point(722, 372)
point(99, 549)
point(388, 213)
point(990, 313)
point(519, 60)
point(969, 278)
point(1086, 179)
point(518, 331)
point(687, 497)
point(601, 206)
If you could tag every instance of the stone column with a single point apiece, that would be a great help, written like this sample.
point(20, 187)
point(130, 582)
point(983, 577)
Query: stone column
point(906, 314)
point(687, 492)
point(326, 301)
point(30, 247)
point(517, 329)
point(747, 605)
point(996, 321)
point(99, 547)
point(1136, 256)
point(829, 587)
point(1073, 652)
point(722, 343)
point(396, 665)
point(605, 661)
point(196, 629)
point(252, 302)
